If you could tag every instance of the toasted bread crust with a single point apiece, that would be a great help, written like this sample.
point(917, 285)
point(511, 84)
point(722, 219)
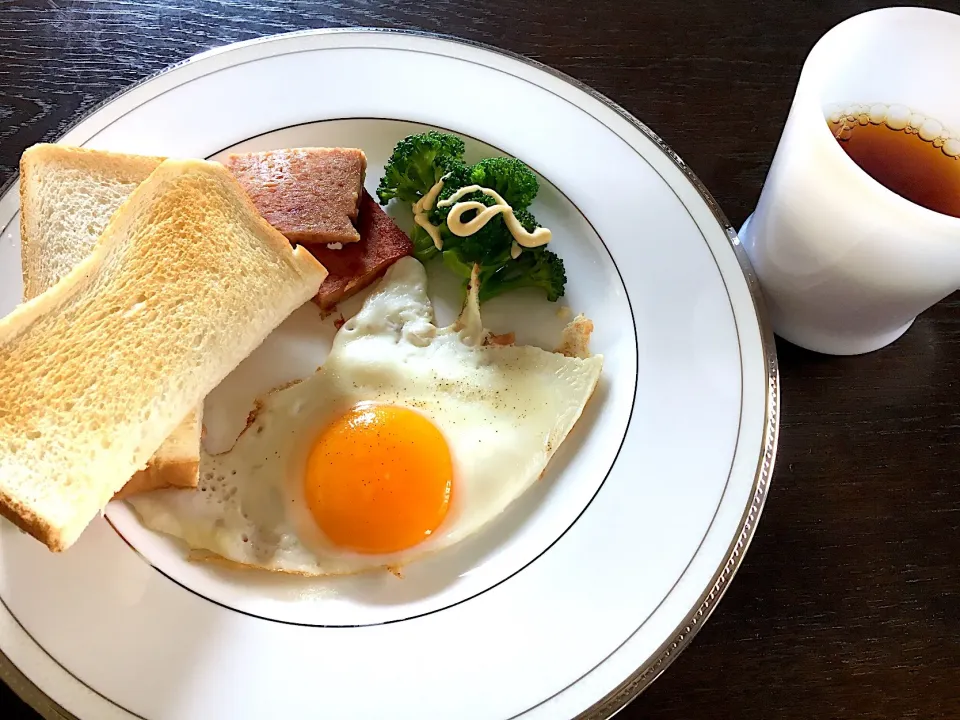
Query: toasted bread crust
point(160, 475)
point(26, 250)
point(45, 488)
point(167, 468)
point(30, 522)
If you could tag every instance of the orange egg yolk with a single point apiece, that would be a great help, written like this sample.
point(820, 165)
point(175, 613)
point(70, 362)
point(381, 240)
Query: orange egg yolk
point(379, 479)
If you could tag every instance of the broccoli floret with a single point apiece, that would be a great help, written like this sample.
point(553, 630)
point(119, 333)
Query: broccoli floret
point(419, 161)
point(527, 219)
point(488, 246)
point(416, 164)
point(537, 267)
point(455, 177)
point(513, 180)
point(499, 273)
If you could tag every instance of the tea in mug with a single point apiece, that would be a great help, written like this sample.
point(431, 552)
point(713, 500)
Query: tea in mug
point(909, 153)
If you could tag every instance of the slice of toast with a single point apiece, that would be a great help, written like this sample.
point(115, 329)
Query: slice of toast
point(67, 196)
point(185, 281)
point(311, 195)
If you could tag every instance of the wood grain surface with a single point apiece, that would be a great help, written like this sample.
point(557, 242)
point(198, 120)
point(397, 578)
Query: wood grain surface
point(849, 597)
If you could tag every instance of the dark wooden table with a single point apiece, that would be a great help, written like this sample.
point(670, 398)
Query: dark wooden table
point(848, 604)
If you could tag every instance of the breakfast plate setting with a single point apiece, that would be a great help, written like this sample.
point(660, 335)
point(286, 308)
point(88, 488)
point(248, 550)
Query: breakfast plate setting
point(417, 404)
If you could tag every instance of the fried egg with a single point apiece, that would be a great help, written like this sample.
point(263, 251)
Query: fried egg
point(409, 439)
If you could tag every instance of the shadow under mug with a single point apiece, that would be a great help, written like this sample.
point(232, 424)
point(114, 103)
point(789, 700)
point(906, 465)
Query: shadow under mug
point(845, 264)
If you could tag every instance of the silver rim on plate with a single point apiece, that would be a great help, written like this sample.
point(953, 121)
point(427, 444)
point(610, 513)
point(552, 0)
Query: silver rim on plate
point(682, 636)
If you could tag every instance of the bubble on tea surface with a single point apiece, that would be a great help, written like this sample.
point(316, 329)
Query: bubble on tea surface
point(898, 116)
point(951, 147)
point(916, 120)
point(878, 113)
point(930, 129)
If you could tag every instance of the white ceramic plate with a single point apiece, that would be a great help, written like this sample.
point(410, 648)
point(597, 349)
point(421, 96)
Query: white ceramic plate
point(582, 593)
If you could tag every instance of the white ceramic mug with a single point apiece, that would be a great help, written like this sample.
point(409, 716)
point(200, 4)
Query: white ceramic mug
point(845, 264)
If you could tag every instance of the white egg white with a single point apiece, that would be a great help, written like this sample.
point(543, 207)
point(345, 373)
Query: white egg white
point(503, 410)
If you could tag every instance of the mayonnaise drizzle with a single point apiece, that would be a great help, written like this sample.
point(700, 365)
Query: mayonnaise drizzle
point(523, 238)
point(422, 208)
point(432, 230)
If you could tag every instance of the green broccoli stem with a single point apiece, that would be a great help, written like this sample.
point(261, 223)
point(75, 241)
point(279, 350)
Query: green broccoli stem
point(453, 262)
point(490, 290)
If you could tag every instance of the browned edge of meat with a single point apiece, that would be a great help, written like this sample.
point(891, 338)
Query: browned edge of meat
point(353, 267)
